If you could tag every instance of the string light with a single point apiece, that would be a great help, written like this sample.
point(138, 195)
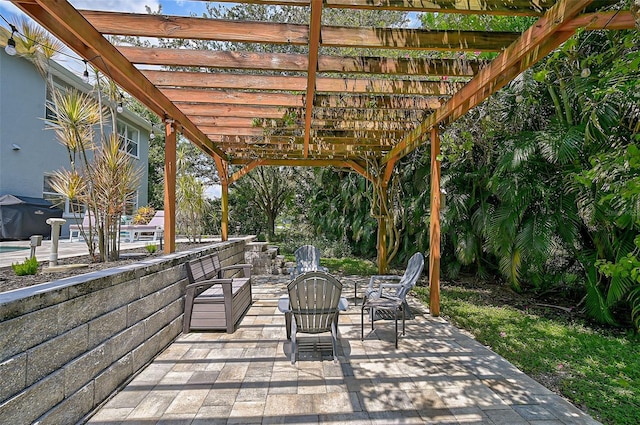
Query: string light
point(11, 42)
point(120, 108)
point(85, 74)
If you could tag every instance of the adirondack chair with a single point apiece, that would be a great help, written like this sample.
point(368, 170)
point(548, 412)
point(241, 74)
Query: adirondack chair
point(391, 296)
point(307, 260)
point(314, 305)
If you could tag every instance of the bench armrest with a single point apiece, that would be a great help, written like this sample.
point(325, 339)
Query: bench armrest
point(246, 269)
point(194, 289)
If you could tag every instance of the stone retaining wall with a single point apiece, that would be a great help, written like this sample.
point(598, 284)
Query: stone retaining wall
point(67, 345)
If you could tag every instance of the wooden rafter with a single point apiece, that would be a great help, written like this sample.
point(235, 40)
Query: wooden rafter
point(114, 23)
point(299, 84)
point(312, 81)
point(461, 67)
point(489, 7)
point(286, 100)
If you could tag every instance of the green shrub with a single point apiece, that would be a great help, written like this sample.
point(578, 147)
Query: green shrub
point(29, 266)
point(151, 248)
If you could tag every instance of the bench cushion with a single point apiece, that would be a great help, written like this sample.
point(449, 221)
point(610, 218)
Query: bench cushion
point(214, 294)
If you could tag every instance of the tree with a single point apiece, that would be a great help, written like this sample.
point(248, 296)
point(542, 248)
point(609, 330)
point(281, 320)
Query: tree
point(191, 205)
point(267, 190)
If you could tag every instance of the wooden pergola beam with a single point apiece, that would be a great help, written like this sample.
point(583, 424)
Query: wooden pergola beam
point(534, 44)
point(461, 67)
point(488, 7)
point(286, 100)
point(245, 170)
point(274, 112)
point(302, 162)
point(299, 140)
point(115, 23)
point(299, 84)
point(314, 45)
point(246, 122)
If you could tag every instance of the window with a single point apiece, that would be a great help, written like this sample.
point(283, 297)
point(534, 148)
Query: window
point(131, 205)
point(129, 138)
point(59, 200)
point(49, 111)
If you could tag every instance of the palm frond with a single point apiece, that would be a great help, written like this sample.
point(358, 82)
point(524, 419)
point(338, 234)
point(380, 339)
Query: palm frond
point(595, 303)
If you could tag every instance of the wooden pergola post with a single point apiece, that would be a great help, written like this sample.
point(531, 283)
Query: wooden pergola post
point(382, 238)
point(223, 175)
point(169, 188)
point(434, 227)
point(224, 221)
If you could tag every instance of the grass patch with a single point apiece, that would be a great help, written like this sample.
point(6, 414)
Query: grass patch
point(346, 266)
point(595, 369)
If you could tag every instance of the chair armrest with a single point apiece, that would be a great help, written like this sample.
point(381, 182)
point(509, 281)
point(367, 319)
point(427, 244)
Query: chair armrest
point(246, 269)
point(375, 278)
point(192, 290)
point(209, 283)
point(379, 291)
point(283, 304)
point(388, 286)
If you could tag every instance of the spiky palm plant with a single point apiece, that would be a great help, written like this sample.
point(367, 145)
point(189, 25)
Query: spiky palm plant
point(101, 176)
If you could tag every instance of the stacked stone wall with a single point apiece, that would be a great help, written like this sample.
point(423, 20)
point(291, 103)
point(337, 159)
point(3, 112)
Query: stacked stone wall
point(67, 345)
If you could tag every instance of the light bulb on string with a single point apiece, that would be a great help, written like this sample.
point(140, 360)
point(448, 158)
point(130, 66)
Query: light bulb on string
point(85, 74)
point(10, 49)
point(120, 106)
point(585, 72)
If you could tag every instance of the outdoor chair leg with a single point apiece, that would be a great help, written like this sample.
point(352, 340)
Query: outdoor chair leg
point(395, 315)
point(403, 320)
point(372, 312)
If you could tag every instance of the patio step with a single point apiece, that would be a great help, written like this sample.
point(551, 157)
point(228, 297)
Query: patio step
point(264, 258)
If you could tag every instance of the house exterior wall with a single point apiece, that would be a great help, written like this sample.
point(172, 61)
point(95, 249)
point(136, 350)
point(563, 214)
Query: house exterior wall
point(22, 109)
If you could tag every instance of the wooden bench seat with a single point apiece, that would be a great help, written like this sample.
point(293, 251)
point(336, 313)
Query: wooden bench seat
point(213, 300)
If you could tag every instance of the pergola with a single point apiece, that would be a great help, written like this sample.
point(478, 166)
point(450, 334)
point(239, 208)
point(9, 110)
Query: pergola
point(317, 109)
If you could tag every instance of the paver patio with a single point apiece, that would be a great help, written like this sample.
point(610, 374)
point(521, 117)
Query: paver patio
point(437, 375)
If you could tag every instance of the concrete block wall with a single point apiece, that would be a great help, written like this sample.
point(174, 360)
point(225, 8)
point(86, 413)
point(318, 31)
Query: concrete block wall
point(67, 345)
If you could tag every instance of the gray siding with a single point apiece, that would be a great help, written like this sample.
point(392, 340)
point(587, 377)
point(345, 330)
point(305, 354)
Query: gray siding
point(22, 109)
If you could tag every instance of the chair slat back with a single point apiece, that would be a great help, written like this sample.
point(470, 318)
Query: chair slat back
point(203, 268)
point(307, 258)
point(314, 298)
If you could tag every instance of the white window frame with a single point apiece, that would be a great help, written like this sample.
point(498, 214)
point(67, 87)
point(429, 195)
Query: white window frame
point(49, 113)
point(125, 141)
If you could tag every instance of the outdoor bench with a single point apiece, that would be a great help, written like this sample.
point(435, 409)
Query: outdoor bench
point(213, 300)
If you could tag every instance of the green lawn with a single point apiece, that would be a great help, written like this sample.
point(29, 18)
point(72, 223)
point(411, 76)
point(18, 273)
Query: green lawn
point(597, 370)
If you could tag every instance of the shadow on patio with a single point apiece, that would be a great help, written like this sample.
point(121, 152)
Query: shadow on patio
point(437, 375)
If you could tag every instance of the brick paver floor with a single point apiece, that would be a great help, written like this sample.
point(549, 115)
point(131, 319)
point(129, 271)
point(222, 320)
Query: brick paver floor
point(438, 375)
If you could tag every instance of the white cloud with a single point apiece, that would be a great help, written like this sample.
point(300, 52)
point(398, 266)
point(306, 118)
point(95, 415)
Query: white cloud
point(135, 6)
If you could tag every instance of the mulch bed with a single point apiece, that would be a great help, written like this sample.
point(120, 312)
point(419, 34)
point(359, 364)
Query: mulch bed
point(9, 280)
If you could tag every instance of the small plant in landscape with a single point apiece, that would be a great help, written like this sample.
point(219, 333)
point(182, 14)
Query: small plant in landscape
point(151, 248)
point(28, 267)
